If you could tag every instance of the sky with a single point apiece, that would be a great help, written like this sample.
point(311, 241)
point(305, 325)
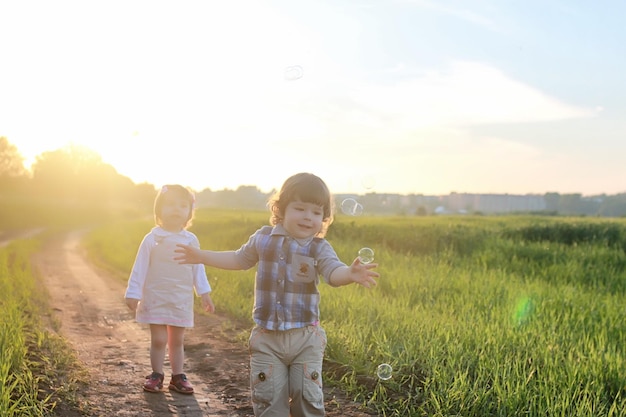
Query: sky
point(386, 96)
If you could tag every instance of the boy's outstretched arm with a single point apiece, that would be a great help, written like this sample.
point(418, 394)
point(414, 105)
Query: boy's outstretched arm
point(358, 273)
point(187, 254)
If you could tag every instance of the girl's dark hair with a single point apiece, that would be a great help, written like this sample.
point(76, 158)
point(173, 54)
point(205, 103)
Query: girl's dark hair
point(307, 188)
point(176, 191)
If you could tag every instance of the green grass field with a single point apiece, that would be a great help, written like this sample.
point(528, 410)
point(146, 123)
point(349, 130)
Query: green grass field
point(478, 316)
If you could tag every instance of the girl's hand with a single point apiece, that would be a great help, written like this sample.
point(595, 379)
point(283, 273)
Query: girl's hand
point(188, 254)
point(362, 274)
point(132, 303)
point(207, 303)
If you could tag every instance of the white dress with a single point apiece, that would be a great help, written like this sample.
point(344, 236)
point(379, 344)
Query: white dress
point(167, 288)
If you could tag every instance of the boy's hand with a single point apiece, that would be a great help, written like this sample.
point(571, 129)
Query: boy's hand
point(187, 254)
point(361, 273)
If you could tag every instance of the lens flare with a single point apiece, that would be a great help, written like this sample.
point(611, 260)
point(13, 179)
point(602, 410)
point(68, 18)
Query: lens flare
point(523, 310)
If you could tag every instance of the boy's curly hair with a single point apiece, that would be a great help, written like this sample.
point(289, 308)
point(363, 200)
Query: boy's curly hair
point(307, 188)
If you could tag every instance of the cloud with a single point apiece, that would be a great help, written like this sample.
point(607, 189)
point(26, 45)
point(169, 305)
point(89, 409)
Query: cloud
point(459, 13)
point(463, 94)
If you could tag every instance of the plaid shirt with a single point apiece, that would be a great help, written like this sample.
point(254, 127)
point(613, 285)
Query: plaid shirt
point(285, 294)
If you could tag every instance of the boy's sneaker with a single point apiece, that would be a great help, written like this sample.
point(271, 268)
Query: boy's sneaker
point(180, 384)
point(154, 382)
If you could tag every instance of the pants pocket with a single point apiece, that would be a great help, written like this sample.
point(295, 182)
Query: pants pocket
point(312, 387)
point(262, 383)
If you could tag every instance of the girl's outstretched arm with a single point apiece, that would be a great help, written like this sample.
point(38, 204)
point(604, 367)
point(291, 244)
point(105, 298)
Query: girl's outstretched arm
point(187, 254)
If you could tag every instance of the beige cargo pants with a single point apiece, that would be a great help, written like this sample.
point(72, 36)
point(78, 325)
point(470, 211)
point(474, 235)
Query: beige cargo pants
point(286, 372)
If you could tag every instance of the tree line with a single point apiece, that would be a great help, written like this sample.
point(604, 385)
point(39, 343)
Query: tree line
point(67, 185)
point(73, 184)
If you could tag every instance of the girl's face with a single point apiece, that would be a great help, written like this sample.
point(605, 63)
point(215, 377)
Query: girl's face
point(174, 213)
point(303, 220)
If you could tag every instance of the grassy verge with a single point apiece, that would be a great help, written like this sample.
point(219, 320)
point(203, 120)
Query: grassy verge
point(39, 375)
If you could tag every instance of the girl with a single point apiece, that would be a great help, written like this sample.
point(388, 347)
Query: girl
point(160, 290)
point(287, 344)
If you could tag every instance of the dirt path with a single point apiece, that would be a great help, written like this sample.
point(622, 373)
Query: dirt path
point(115, 349)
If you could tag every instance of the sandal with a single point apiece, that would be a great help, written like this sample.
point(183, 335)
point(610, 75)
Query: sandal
point(154, 382)
point(180, 384)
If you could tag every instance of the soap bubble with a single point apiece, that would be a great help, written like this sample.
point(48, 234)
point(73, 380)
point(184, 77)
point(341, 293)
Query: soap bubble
point(351, 207)
point(293, 73)
point(366, 255)
point(368, 182)
point(384, 371)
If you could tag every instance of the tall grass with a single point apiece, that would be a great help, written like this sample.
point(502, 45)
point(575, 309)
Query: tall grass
point(36, 369)
point(499, 316)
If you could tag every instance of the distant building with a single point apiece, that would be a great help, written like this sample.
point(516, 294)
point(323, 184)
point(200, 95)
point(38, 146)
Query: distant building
point(495, 203)
point(250, 197)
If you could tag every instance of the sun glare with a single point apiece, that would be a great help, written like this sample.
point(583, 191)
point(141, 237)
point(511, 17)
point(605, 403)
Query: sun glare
point(204, 92)
point(234, 103)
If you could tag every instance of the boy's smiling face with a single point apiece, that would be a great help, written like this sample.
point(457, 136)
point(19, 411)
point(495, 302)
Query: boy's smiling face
point(303, 220)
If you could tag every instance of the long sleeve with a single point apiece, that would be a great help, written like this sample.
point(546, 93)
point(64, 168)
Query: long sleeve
point(200, 280)
point(327, 261)
point(140, 269)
